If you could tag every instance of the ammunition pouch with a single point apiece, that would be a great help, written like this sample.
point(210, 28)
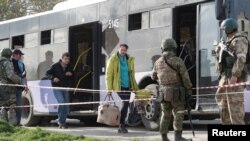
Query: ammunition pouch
point(7, 95)
point(159, 95)
point(174, 94)
point(179, 95)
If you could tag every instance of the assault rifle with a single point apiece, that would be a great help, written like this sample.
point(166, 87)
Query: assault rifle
point(223, 49)
point(188, 107)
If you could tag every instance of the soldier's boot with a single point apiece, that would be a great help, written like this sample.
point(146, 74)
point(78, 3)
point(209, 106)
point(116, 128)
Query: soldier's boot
point(12, 119)
point(122, 129)
point(3, 114)
point(164, 137)
point(178, 136)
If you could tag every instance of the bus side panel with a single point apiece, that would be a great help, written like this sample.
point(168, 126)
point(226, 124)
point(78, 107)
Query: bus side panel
point(83, 15)
point(43, 96)
point(5, 31)
point(239, 6)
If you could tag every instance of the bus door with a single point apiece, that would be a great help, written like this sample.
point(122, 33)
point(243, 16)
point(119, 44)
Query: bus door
point(207, 32)
point(185, 35)
point(85, 50)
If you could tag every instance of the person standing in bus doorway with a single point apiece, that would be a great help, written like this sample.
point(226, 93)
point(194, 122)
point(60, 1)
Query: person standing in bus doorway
point(120, 76)
point(172, 75)
point(233, 69)
point(61, 74)
point(19, 69)
point(7, 93)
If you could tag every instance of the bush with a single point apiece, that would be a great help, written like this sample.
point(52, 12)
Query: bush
point(5, 127)
point(10, 133)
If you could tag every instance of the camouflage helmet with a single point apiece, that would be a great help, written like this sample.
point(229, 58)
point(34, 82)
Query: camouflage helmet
point(6, 52)
point(168, 44)
point(229, 25)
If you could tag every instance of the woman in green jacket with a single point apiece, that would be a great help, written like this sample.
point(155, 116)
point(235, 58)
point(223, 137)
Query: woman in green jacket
point(120, 76)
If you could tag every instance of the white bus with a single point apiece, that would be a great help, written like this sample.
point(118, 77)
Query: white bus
point(91, 32)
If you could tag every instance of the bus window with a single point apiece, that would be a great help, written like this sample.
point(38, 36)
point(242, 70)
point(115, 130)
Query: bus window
point(4, 44)
point(18, 42)
point(135, 21)
point(46, 37)
point(60, 35)
point(31, 40)
point(138, 21)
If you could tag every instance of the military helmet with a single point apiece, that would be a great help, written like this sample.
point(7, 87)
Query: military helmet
point(6, 52)
point(229, 25)
point(168, 44)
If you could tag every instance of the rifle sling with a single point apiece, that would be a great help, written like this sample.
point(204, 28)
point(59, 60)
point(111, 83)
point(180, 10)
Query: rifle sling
point(173, 68)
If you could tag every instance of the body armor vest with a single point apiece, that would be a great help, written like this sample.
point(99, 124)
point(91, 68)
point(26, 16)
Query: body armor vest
point(166, 75)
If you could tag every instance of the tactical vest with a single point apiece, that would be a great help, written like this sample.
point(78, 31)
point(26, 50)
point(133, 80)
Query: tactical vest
point(228, 60)
point(166, 75)
point(227, 63)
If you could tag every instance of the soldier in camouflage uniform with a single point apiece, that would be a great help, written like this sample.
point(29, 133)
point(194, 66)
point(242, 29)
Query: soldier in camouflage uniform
point(172, 75)
point(7, 76)
point(233, 69)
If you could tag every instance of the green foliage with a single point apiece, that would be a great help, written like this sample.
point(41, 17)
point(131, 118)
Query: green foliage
point(5, 127)
point(37, 6)
point(10, 9)
point(10, 133)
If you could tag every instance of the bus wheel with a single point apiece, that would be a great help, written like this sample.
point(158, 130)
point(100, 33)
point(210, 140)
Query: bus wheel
point(89, 120)
point(151, 119)
point(247, 118)
point(28, 118)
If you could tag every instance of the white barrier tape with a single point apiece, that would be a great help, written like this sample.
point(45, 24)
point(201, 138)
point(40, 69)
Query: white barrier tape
point(225, 93)
point(91, 90)
point(66, 89)
point(77, 103)
point(225, 86)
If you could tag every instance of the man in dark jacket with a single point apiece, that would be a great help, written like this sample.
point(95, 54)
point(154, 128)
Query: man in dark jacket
point(61, 75)
point(19, 69)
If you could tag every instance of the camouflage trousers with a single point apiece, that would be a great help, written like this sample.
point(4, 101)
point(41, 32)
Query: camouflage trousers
point(7, 105)
point(231, 103)
point(8, 115)
point(178, 112)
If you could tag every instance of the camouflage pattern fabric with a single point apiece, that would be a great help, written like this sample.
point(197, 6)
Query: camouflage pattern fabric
point(230, 100)
point(3, 114)
point(178, 112)
point(170, 84)
point(12, 119)
point(7, 76)
point(8, 94)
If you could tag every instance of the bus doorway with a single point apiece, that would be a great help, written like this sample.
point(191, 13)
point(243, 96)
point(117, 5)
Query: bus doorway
point(185, 36)
point(85, 50)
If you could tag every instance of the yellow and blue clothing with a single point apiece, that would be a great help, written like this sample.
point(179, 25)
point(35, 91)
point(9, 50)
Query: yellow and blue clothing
point(120, 76)
point(113, 78)
point(124, 72)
